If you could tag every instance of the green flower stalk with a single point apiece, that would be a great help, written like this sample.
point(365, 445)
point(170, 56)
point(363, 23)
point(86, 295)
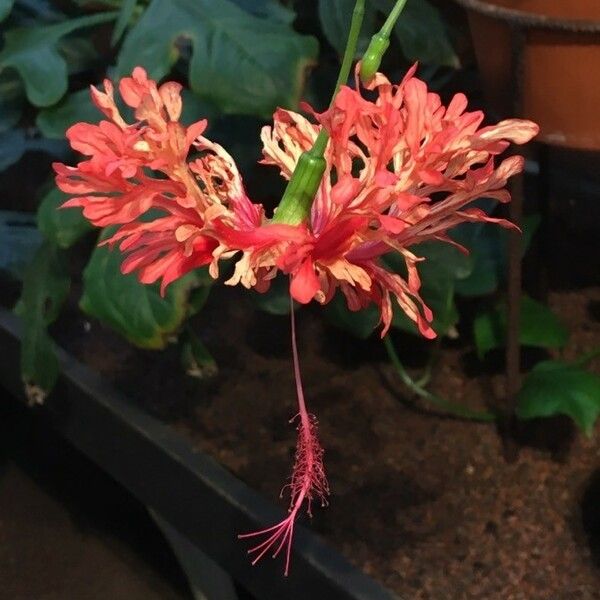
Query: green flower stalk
point(379, 44)
point(302, 188)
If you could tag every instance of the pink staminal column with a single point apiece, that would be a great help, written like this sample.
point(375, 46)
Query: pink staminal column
point(308, 481)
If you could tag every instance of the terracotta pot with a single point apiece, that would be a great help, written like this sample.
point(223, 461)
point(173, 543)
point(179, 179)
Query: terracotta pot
point(555, 80)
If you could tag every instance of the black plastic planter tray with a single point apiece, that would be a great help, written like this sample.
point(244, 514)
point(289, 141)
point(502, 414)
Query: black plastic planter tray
point(188, 489)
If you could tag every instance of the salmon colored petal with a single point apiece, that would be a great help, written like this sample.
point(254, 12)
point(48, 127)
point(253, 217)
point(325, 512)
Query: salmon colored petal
point(518, 131)
point(170, 94)
point(304, 283)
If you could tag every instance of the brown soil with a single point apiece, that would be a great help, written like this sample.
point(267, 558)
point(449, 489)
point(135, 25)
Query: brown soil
point(426, 504)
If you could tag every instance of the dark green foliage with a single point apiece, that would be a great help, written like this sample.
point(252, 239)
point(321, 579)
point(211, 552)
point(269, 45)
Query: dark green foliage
point(45, 288)
point(554, 387)
point(137, 311)
point(540, 327)
point(63, 227)
point(241, 63)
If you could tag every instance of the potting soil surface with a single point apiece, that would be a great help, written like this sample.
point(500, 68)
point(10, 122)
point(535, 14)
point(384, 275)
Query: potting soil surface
point(433, 507)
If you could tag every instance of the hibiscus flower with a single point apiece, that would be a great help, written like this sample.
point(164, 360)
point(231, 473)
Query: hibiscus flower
point(400, 169)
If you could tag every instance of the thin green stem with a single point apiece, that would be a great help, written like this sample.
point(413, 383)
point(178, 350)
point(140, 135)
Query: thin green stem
point(388, 26)
point(350, 51)
point(379, 44)
point(358, 13)
point(451, 408)
point(302, 188)
point(320, 144)
point(425, 378)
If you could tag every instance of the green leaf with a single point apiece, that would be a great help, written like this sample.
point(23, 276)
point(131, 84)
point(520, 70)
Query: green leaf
point(442, 261)
point(79, 53)
point(54, 121)
point(38, 11)
point(442, 267)
point(5, 8)
point(487, 254)
point(137, 311)
point(195, 109)
point(89, 5)
point(241, 63)
point(422, 33)
point(276, 300)
point(14, 143)
point(540, 327)
point(78, 107)
point(125, 13)
point(439, 297)
point(268, 9)
point(197, 360)
point(554, 388)
point(45, 288)
point(199, 294)
point(360, 324)
point(487, 245)
point(20, 241)
point(11, 101)
point(33, 53)
point(12, 147)
point(62, 226)
point(335, 17)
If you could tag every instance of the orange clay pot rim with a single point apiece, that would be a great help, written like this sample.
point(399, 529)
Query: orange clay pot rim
point(526, 20)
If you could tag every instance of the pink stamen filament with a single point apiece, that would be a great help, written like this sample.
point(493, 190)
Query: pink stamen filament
point(308, 477)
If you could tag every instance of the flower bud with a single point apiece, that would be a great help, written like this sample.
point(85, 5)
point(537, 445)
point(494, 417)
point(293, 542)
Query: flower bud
point(372, 58)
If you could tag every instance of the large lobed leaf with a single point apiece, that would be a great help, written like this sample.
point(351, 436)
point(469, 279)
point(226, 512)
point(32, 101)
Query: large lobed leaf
point(360, 324)
point(54, 121)
point(443, 266)
point(11, 100)
point(422, 33)
point(335, 17)
point(242, 63)
point(33, 53)
point(554, 387)
point(276, 300)
point(268, 9)
point(137, 311)
point(20, 241)
point(5, 8)
point(125, 14)
point(539, 328)
point(45, 288)
point(63, 227)
point(487, 247)
point(14, 143)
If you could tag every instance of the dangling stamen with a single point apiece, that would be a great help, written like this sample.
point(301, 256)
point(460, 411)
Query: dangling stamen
point(308, 479)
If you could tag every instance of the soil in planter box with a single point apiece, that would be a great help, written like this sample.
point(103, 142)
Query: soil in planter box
point(426, 504)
